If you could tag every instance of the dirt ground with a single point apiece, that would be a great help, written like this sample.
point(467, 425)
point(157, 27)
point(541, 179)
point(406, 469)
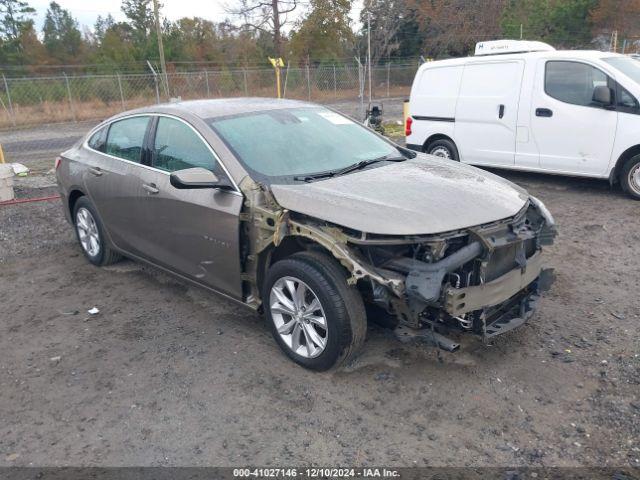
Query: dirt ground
point(167, 374)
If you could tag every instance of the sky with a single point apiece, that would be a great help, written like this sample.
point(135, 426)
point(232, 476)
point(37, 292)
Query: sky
point(87, 11)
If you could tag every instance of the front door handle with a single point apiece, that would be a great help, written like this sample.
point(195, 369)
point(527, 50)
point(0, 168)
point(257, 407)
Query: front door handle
point(544, 112)
point(151, 188)
point(501, 111)
point(95, 171)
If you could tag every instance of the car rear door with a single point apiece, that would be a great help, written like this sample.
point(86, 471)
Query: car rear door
point(112, 155)
point(487, 112)
point(192, 232)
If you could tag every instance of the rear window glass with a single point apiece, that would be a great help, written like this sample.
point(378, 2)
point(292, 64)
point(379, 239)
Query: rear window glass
point(126, 137)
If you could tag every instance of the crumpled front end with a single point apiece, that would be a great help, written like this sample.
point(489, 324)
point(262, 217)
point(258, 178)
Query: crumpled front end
point(484, 279)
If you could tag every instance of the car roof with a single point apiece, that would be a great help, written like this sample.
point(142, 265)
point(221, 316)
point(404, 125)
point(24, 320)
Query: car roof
point(222, 107)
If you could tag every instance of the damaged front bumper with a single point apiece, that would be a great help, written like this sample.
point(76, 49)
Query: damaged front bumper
point(488, 285)
point(459, 301)
point(504, 303)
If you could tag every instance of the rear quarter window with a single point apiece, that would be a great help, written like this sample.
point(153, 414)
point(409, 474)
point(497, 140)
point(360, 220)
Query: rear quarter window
point(98, 140)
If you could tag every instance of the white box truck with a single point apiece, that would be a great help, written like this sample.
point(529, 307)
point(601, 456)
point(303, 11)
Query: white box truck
point(526, 106)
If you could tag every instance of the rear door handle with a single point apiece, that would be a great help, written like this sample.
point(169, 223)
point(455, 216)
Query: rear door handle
point(151, 188)
point(501, 111)
point(544, 112)
point(95, 171)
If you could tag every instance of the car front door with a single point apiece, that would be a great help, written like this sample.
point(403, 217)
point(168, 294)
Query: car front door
point(193, 232)
point(487, 112)
point(573, 133)
point(112, 156)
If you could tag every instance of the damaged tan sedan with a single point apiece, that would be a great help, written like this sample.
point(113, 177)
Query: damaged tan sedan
point(298, 212)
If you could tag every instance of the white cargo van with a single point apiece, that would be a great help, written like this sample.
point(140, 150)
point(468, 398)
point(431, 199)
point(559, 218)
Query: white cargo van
point(523, 105)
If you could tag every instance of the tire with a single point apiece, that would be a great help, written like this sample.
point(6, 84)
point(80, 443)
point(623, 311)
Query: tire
point(630, 177)
point(341, 306)
point(86, 222)
point(443, 148)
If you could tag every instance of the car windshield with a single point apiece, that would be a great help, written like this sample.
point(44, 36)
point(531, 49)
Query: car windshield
point(282, 145)
point(628, 66)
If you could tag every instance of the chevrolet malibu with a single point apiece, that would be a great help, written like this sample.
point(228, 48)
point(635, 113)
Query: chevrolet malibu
point(299, 212)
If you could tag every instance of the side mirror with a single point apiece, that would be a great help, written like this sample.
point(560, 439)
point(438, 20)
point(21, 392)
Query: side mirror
point(197, 177)
point(602, 95)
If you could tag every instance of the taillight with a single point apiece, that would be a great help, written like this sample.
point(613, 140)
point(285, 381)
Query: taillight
point(58, 161)
point(407, 126)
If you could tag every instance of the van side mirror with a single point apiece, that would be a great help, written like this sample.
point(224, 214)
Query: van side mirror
point(197, 177)
point(602, 95)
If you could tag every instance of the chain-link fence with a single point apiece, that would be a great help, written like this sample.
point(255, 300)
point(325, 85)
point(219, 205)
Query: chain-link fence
point(39, 100)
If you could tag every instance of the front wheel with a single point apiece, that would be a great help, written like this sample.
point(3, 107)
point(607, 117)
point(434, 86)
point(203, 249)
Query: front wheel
point(316, 318)
point(443, 148)
point(630, 177)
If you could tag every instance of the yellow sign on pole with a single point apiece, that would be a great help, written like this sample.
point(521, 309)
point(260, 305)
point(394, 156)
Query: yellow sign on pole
point(277, 64)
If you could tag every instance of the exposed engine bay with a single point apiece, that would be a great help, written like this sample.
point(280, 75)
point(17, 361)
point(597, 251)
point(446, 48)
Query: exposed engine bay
point(484, 279)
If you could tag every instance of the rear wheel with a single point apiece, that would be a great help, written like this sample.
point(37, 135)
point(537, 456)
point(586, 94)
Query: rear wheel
point(443, 148)
point(630, 177)
point(316, 318)
point(90, 234)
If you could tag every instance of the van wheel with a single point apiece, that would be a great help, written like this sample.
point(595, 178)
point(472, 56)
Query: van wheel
point(316, 318)
point(443, 148)
point(630, 177)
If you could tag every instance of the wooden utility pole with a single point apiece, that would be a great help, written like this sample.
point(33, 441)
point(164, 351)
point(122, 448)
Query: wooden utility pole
point(277, 41)
point(163, 66)
point(369, 51)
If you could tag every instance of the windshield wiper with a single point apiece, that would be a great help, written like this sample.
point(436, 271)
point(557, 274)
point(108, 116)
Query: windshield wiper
point(351, 168)
point(314, 176)
point(365, 163)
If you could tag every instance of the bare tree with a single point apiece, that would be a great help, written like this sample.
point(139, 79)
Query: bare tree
point(387, 20)
point(268, 16)
point(454, 26)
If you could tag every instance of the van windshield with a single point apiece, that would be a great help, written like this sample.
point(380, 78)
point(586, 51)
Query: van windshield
point(278, 145)
point(628, 66)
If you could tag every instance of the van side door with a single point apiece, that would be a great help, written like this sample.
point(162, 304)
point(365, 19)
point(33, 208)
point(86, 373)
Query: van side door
point(487, 112)
point(574, 133)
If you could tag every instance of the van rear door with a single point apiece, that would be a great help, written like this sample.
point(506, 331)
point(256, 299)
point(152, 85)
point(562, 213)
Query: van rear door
point(487, 112)
point(433, 102)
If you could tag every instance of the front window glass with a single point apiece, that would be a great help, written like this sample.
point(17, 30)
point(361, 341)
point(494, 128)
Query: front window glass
point(628, 66)
point(298, 141)
point(126, 137)
point(573, 82)
point(177, 147)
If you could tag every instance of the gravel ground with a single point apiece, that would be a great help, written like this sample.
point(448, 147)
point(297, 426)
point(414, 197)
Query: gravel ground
point(167, 374)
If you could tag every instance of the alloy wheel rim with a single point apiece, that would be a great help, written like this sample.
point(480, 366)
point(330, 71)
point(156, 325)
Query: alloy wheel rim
point(634, 178)
point(441, 152)
point(298, 317)
point(88, 232)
